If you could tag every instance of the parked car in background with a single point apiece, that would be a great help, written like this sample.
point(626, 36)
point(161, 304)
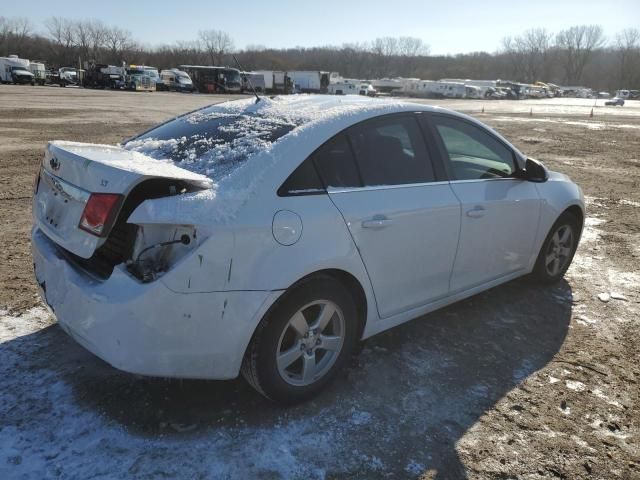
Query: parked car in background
point(367, 90)
point(615, 101)
point(176, 80)
point(269, 237)
point(66, 76)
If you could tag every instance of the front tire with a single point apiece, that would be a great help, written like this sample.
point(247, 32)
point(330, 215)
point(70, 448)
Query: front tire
point(303, 341)
point(558, 249)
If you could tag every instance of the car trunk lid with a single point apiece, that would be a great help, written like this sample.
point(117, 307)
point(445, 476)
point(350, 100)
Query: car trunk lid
point(71, 172)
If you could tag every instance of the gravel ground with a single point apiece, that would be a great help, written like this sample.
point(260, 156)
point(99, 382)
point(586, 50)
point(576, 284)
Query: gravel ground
point(518, 382)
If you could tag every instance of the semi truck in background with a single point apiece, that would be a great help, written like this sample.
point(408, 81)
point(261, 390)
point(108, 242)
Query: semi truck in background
point(137, 78)
point(15, 70)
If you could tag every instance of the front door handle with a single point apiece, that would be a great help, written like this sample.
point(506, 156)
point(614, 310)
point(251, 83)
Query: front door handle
point(477, 212)
point(376, 222)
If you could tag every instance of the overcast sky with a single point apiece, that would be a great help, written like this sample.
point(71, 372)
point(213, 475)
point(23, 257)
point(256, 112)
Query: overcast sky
point(447, 26)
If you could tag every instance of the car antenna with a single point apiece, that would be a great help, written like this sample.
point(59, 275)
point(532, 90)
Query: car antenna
point(248, 79)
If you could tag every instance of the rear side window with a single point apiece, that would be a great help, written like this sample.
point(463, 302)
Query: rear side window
point(335, 163)
point(391, 151)
point(303, 181)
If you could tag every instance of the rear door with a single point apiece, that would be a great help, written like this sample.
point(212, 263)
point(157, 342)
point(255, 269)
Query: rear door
point(403, 217)
point(499, 211)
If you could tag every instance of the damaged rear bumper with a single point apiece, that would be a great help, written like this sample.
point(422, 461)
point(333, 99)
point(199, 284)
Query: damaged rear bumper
point(146, 328)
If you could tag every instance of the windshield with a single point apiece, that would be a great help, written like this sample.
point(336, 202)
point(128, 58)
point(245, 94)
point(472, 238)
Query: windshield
point(152, 72)
point(232, 76)
point(213, 142)
point(135, 71)
point(182, 75)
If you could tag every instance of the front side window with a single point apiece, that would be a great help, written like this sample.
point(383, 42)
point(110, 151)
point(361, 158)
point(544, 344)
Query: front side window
point(391, 151)
point(474, 153)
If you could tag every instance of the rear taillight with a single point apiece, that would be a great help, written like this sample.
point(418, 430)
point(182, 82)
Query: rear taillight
point(99, 213)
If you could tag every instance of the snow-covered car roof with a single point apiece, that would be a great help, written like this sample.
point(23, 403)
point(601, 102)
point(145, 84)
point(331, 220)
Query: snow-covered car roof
point(246, 148)
point(216, 140)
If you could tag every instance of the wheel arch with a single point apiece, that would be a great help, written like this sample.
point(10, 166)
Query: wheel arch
point(346, 279)
point(352, 285)
point(577, 212)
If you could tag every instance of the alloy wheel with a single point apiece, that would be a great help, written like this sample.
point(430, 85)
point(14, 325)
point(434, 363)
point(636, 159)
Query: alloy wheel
point(559, 251)
point(310, 343)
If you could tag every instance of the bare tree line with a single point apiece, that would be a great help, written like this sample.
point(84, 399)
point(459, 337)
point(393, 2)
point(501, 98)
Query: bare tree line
point(577, 55)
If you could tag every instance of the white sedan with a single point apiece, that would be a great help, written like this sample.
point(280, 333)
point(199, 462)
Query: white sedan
point(268, 237)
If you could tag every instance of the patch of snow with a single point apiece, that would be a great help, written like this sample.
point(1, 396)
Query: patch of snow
point(629, 202)
point(598, 393)
point(575, 385)
point(618, 296)
point(604, 297)
point(14, 326)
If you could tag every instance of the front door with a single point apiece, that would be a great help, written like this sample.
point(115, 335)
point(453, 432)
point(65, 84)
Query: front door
point(500, 213)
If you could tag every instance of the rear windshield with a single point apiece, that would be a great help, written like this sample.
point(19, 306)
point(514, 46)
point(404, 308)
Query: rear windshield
point(213, 142)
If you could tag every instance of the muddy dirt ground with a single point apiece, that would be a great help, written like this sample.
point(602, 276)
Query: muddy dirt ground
point(521, 381)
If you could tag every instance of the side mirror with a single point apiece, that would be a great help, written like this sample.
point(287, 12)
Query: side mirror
point(535, 171)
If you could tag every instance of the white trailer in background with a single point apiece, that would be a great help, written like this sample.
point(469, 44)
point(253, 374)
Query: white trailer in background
point(434, 89)
point(343, 88)
point(15, 70)
point(276, 81)
point(39, 72)
point(252, 81)
point(306, 81)
point(474, 83)
point(485, 86)
point(471, 91)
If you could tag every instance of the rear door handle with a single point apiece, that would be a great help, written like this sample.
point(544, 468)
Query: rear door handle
point(476, 212)
point(377, 222)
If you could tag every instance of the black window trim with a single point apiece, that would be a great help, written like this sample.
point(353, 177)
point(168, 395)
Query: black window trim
point(427, 138)
point(444, 155)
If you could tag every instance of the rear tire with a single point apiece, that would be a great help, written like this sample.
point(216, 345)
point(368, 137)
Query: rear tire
point(558, 249)
point(303, 341)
